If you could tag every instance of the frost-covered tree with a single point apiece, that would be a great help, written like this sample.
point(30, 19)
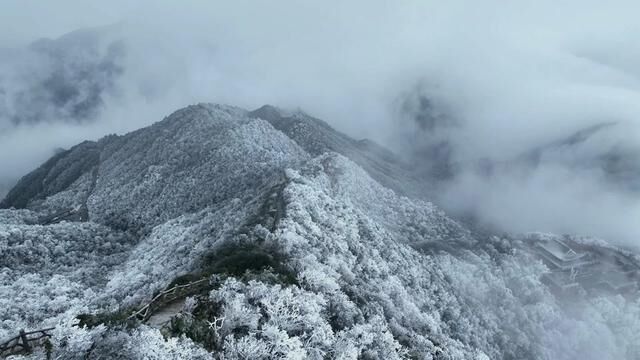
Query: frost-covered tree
point(304, 254)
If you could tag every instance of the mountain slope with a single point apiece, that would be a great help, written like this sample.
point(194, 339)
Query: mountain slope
point(317, 137)
point(303, 253)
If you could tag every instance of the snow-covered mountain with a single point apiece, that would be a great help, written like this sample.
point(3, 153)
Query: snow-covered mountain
point(288, 240)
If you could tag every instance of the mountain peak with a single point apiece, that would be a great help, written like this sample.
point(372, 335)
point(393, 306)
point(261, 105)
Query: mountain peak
point(267, 112)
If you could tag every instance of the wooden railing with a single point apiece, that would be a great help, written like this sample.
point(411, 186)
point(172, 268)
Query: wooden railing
point(24, 342)
point(58, 217)
point(167, 296)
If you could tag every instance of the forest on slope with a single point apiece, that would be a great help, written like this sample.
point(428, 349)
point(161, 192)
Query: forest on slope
point(311, 245)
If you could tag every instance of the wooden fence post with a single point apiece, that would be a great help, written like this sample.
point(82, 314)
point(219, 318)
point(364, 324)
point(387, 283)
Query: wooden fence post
point(25, 341)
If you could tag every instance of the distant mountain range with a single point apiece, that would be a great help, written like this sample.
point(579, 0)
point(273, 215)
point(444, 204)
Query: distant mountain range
point(62, 80)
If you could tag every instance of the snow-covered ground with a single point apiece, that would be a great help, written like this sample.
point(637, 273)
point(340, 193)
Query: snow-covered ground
point(353, 269)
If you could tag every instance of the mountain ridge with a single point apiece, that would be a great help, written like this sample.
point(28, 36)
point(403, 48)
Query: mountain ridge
point(305, 252)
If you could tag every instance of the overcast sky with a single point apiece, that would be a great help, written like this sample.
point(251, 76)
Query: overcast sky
point(513, 76)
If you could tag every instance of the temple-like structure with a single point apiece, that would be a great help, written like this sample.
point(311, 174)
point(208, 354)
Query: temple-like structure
point(574, 266)
point(559, 256)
